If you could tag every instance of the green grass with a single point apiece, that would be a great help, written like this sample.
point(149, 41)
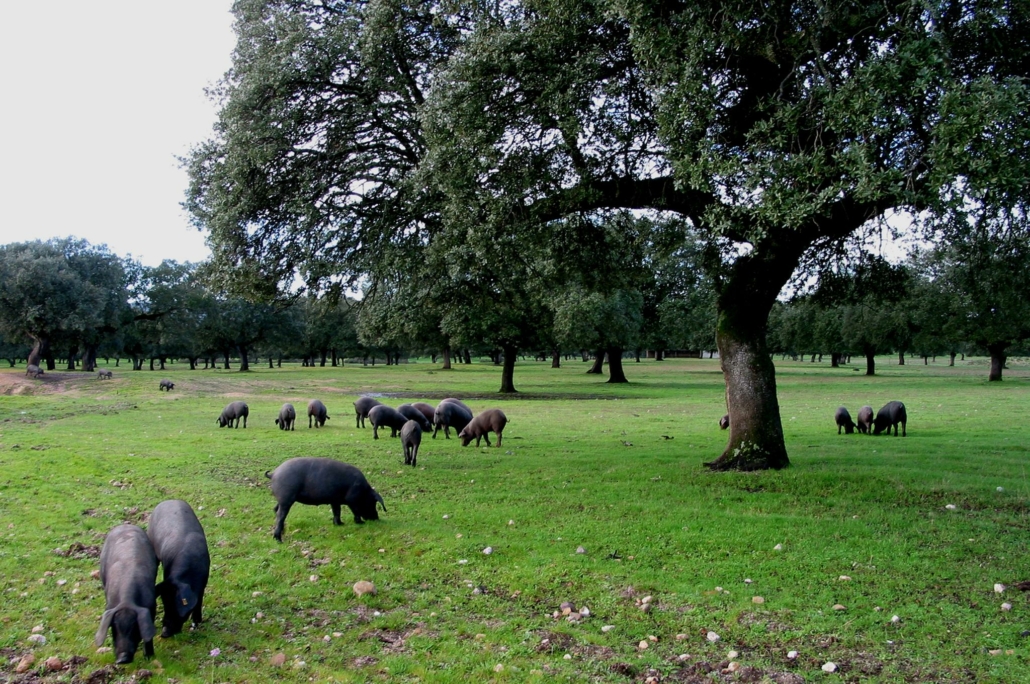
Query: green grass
point(583, 464)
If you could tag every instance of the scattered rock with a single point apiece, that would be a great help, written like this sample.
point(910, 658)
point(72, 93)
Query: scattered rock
point(584, 611)
point(607, 628)
point(778, 547)
point(313, 578)
point(1006, 606)
point(511, 522)
point(732, 667)
point(364, 587)
point(104, 649)
point(951, 507)
point(681, 637)
point(25, 664)
point(712, 636)
point(732, 654)
point(747, 581)
point(95, 574)
point(838, 606)
point(488, 550)
point(580, 549)
point(999, 588)
point(792, 655)
point(142, 675)
point(757, 599)
point(643, 645)
point(1000, 489)
point(53, 664)
point(255, 594)
point(995, 651)
point(37, 629)
point(566, 608)
point(278, 660)
point(844, 578)
point(38, 639)
point(829, 667)
point(895, 619)
point(498, 668)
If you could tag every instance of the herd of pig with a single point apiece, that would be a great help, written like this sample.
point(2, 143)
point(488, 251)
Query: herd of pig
point(175, 538)
point(890, 416)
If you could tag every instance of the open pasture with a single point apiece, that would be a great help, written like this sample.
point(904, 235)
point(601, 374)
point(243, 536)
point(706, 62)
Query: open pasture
point(615, 469)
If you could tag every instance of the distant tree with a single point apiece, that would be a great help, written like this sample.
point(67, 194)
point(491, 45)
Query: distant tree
point(60, 288)
point(609, 324)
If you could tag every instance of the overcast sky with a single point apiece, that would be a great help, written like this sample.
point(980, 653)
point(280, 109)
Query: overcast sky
point(99, 98)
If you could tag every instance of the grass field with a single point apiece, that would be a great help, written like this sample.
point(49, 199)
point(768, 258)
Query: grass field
point(921, 528)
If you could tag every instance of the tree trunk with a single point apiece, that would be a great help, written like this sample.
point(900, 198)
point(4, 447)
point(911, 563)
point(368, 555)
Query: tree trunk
point(151, 363)
point(870, 363)
point(556, 358)
point(926, 360)
point(508, 370)
point(446, 358)
point(598, 367)
point(468, 357)
point(323, 354)
point(89, 358)
point(244, 358)
point(615, 371)
point(998, 357)
point(71, 357)
point(637, 354)
point(659, 354)
point(334, 357)
point(161, 362)
point(744, 301)
point(271, 363)
point(193, 362)
point(901, 357)
point(834, 360)
point(951, 361)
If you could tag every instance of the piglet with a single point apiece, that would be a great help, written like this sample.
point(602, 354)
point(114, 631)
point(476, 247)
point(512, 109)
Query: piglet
point(181, 547)
point(491, 420)
point(128, 571)
point(287, 417)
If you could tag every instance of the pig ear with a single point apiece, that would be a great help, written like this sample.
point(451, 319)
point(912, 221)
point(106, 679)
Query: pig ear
point(185, 599)
point(105, 624)
point(146, 624)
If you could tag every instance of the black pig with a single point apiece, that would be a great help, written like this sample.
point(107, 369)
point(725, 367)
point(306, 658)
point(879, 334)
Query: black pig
point(492, 420)
point(843, 420)
point(451, 413)
point(865, 419)
point(411, 440)
point(233, 411)
point(128, 571)
point(385, 416)
point(318, 481)
point(317, 412)
point(889, 416)
point(412, 412)
point(361, 408)
point(181, 548)
point(287, 417)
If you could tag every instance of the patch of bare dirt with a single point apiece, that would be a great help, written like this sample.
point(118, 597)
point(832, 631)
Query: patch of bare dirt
point(79, 551)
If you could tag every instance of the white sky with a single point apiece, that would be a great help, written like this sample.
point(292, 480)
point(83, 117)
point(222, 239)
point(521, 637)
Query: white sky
point(98, 99)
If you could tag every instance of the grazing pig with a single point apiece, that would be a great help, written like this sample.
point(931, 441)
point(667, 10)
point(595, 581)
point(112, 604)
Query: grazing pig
point(128, 571)
point(450, 413)
point(104, 375)
point(317, 412)
point(181, 548)
point(428, 410)
point(411, 413)
point(491, 420)
point(724, 422)
point(317, 481)
point(166, 385)
point(865, 419)
point(33, 370)
point(411, 440)
point(843, 420)
point(234, 411)
point(287, 417)
point(385, 416)
point(361, 408)
point(889, 416)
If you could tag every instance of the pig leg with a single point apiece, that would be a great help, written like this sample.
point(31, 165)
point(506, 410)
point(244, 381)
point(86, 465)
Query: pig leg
point(486, 436)
point(393, 432)
point(148, 648)
point(280, 519)
point(903, 432)
point(244, 421)
point(197, 616)
point(375, 432)
point(414, 456)
point(498, 440)
point(336, 513)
